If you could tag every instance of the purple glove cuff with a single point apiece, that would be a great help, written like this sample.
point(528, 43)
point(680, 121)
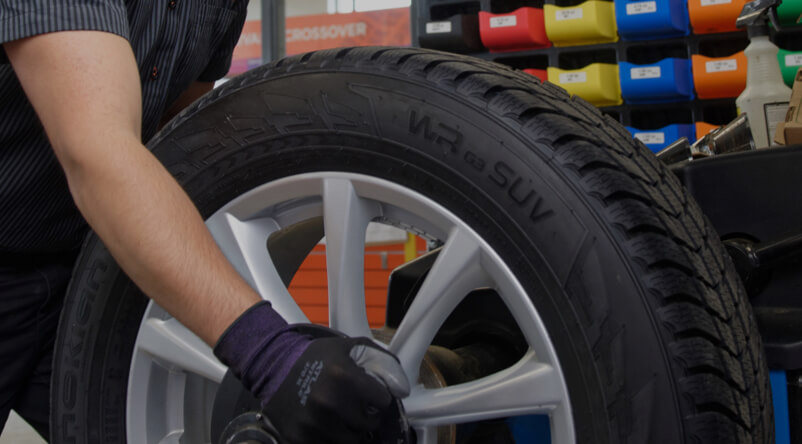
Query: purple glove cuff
point(260, 348)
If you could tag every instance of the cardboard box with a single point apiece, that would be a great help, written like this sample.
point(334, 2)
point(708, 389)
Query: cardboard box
point(790, 131)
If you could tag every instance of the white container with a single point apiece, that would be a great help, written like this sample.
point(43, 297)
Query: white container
point(765, 99)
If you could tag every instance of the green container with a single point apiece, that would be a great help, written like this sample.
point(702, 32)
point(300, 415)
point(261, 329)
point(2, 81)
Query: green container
point(790, 62)
point(789, 12)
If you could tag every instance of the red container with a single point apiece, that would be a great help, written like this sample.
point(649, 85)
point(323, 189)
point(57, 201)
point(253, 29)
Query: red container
point(519, 30)
point(541, 74)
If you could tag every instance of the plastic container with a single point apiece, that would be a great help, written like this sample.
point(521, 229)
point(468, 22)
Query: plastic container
point(719, 77)
point(765, 99)
point(668, 80)
point(597, 83)
point(589, 23)
point(541, 74)
point(519, 30)
point(790, 62)
point(703, 128)
point(658, 139)
point(651, 19)
point(458, 33)
point(713, 16)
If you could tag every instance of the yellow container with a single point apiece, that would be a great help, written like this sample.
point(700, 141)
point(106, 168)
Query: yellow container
point(597, 83)
point(588, 23)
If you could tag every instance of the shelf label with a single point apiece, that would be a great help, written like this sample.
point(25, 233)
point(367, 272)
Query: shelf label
point(569, 14)
point(721, 65)
point(651, 138)
point(574, 77)
point(641, 8)
point(715, 2)
point(504, 21)
point(647, 72)
point(438, 27)
point(793, 60)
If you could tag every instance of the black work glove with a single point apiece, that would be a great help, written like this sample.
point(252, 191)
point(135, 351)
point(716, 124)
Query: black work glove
point(325, 390)
point(336, 392)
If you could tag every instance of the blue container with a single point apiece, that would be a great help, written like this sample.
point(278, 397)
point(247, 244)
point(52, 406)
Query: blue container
point(779, 394)
point(669, 80)
point(651, 19)
point(658, 139)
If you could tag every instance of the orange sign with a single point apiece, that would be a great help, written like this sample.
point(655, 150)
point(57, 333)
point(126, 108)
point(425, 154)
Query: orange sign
point(248, 52)
point(389, 27)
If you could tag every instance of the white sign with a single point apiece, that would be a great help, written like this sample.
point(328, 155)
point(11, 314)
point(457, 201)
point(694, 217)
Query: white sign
point(721, 65)
point(715, 2)
point(569, 14)
point(793, 60)
point(574, 77)
point(641, 8)
point(438, 27)
point(651, 138)
point(647, 72)
point(504, 21)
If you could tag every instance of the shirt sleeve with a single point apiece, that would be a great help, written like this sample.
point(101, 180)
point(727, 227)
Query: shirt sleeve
point(221, 58)
point(26, 18)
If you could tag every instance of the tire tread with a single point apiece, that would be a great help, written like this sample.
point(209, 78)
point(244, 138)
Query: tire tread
point(701, 308)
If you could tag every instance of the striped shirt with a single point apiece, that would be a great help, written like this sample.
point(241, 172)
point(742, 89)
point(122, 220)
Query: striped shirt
point(175, 43)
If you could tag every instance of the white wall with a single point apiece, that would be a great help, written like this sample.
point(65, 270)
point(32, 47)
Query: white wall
point(305, 7)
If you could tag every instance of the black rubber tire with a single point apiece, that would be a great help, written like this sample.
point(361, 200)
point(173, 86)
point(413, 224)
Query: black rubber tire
point(652, 328)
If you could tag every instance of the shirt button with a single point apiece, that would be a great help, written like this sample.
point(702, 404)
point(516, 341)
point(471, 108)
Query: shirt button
point(154, 73)
point(172, 4)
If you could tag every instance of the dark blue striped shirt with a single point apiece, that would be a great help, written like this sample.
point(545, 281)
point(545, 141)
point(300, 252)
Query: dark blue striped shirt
point(175, 42)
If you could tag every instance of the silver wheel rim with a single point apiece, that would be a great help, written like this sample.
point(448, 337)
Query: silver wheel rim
point(174, 375)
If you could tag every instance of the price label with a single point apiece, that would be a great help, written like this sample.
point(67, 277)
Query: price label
point(721, 65)
point(715, 2)
point(503, 21)
point(438, 27)
point(793, 60)
point(641, 8)
point(569, 14)
point(574, 77)
point(651, 138)
point(647, 72)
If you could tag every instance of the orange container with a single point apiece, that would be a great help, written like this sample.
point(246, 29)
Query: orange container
point(719, 77)
point(702, 128)
point(541, 74)
point(709, 16)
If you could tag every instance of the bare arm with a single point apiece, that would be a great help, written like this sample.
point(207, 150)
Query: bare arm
point(84, 86)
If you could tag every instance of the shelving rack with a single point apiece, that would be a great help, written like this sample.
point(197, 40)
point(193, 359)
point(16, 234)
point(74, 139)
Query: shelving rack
point(459, 31)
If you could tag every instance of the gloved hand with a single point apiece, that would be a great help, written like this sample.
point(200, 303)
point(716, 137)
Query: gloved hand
point(326, 390)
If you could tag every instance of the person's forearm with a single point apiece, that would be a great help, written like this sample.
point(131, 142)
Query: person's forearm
point(145, 219)
point(156, 234)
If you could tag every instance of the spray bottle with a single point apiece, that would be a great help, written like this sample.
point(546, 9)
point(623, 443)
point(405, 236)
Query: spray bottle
point(765, 99)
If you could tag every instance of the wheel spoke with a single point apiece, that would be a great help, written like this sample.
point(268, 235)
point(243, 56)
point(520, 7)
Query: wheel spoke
point(173, 438)
point(244, 243)
point(456, 271)
point(346, 217)
point(426, 435)
point(529, 387)
point(175, 347)
point(523, 310)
